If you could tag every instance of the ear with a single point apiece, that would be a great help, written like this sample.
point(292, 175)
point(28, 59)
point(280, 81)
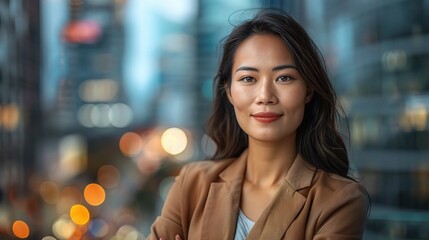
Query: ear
point(309, 95)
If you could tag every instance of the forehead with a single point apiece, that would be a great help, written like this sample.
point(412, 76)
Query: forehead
point(263, 49)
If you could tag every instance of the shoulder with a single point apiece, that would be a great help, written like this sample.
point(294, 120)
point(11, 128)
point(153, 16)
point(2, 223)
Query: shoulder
point(334, 191)
point(333, 183)
point(339, 205)
point(208, 166)
point(195, 178)
point(205, 171)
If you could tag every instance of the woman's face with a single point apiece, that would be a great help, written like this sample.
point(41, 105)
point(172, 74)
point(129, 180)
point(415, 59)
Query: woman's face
point(267, 91)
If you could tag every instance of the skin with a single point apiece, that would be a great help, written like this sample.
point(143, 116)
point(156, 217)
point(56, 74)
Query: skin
point(264, 79)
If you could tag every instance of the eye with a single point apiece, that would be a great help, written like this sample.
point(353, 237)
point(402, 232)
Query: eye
point(247, 79)
point(284, 79)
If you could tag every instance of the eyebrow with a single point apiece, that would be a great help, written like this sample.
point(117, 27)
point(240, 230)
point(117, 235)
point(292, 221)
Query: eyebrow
point(281, 67)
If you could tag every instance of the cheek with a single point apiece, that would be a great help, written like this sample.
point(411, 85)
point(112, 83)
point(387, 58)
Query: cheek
point(239, 98)
point(294, 106)
point(241, 101)
point(294, 98)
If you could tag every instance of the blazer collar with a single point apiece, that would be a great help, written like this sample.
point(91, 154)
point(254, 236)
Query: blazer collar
point(300, 174)
point(235, 171)
point(223, 202)
point(286, 205)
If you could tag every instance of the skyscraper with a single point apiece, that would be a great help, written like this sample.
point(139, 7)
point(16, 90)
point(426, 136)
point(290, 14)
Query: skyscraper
point(377, 56)
point(19, 91)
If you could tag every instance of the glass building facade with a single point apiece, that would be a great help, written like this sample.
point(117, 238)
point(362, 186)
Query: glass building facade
point(102, 102)
point(377, 55)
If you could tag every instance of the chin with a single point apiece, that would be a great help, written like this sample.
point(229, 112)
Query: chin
point(267, 138)
point(270, 136)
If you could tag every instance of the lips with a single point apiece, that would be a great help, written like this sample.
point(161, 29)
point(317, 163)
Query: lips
point(266, 117)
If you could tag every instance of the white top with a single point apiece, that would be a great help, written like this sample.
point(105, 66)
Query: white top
point(244, 225)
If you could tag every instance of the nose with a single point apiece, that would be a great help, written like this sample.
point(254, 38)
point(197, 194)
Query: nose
point(266, 93)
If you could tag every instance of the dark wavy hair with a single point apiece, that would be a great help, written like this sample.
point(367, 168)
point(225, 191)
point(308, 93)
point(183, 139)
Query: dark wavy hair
point(318, 139)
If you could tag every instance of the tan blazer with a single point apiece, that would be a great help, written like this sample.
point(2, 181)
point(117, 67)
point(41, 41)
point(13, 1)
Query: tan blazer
point(203, 203)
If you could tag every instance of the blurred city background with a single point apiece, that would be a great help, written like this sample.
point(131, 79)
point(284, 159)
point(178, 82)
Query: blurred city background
point(102, 102)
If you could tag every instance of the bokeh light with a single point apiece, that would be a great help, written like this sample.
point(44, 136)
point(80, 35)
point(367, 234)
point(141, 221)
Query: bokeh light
point(49, 192)
point(120, 115)
point(128, 232)
point(108, 176)
point(130, 144)
point(103, 115)
point(98, 90)
point(149, 161)
point(418, 116)
point(82, 31)
point(152, 148)
point(148, 165)
point(98, 228)
point(79, 214)
point(84, 115)
point(64, 227)
point(49, 238)
point(174, 141)
point(94, 194)
point(100, 115)
point(79, 233)
point(73, 156)
point(10, 117)
point(20, 229)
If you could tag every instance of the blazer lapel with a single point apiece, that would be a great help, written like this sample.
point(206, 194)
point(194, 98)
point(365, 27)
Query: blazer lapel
point(286, 205)
point(223, 202)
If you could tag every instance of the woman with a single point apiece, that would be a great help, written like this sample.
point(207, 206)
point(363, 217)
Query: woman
point(281, 169)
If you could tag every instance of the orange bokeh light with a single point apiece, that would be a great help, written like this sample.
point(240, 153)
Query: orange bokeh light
point(130, 144)
point(10, 116)
point(20, 229)
point(79, 214)
point(94, 194)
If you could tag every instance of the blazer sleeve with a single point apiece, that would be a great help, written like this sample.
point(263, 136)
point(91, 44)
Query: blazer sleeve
point(344, 215)
point(169, 224)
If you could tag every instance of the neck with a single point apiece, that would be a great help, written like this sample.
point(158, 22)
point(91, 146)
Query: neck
point(268, 163)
